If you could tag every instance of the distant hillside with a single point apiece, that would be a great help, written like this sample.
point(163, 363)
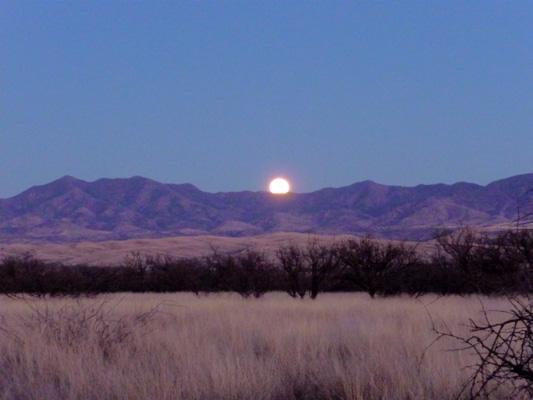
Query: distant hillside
point(114, 252)
point(70, 210)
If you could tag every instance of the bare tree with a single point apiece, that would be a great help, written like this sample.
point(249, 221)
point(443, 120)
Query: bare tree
point(252, 274)
point(458, 246)
point(292, 261)
point(459, 250)
point(322, 262)
point(215, 272)
point(522, 241)
point(370, 264)
point(487, 263)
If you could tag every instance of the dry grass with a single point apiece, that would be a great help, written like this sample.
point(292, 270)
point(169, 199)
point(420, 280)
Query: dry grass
point(341, 346)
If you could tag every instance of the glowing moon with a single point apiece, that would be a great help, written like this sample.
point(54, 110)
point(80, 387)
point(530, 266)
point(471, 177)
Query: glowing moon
point(279, 186)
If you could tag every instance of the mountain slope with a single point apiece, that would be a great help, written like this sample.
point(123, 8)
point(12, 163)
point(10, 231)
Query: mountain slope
point(72, 210)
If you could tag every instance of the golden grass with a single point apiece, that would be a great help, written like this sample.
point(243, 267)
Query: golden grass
point(341, 346)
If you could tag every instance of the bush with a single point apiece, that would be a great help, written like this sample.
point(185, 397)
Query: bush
point(76, 323)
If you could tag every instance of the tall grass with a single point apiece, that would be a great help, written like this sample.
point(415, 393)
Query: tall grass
point(179, 346)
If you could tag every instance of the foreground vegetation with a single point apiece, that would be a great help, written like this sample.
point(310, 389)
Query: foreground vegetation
point(181, 346)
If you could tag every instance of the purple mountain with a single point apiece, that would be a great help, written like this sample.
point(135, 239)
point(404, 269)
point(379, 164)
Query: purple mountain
point(72, 210)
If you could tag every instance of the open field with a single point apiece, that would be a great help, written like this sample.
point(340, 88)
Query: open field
point(341, 346)
point(113, 252)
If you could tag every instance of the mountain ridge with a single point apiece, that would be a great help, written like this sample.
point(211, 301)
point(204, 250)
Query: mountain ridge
point(70, 210)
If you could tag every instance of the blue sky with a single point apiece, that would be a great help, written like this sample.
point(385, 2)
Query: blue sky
point(228, 94)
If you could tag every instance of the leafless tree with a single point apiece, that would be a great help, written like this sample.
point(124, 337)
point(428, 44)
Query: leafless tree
point(370, 264)
point(292, 261)
point(218, 272)
point(459, 246)
point(522, 241)
point(252, 274)
point(489, 262)
point(322, 261)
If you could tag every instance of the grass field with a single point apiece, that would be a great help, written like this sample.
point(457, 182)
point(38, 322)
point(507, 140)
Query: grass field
point(341, 346)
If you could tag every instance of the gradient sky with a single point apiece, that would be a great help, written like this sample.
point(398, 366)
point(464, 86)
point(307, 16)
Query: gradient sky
point(228, 94)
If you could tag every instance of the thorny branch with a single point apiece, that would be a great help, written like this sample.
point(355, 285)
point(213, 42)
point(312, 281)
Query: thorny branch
point(502, 344)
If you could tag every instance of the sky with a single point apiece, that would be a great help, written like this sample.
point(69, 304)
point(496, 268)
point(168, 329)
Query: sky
point(229, 94)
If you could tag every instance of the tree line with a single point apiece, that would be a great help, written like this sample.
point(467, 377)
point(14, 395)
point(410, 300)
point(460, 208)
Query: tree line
point(463, 262)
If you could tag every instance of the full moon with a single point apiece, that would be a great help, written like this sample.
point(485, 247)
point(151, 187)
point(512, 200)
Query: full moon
point(279, 186)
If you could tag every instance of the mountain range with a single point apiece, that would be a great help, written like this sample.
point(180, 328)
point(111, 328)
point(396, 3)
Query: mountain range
point(70, 210)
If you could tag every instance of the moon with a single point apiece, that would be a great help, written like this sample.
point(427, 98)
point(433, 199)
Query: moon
point(279, 186)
